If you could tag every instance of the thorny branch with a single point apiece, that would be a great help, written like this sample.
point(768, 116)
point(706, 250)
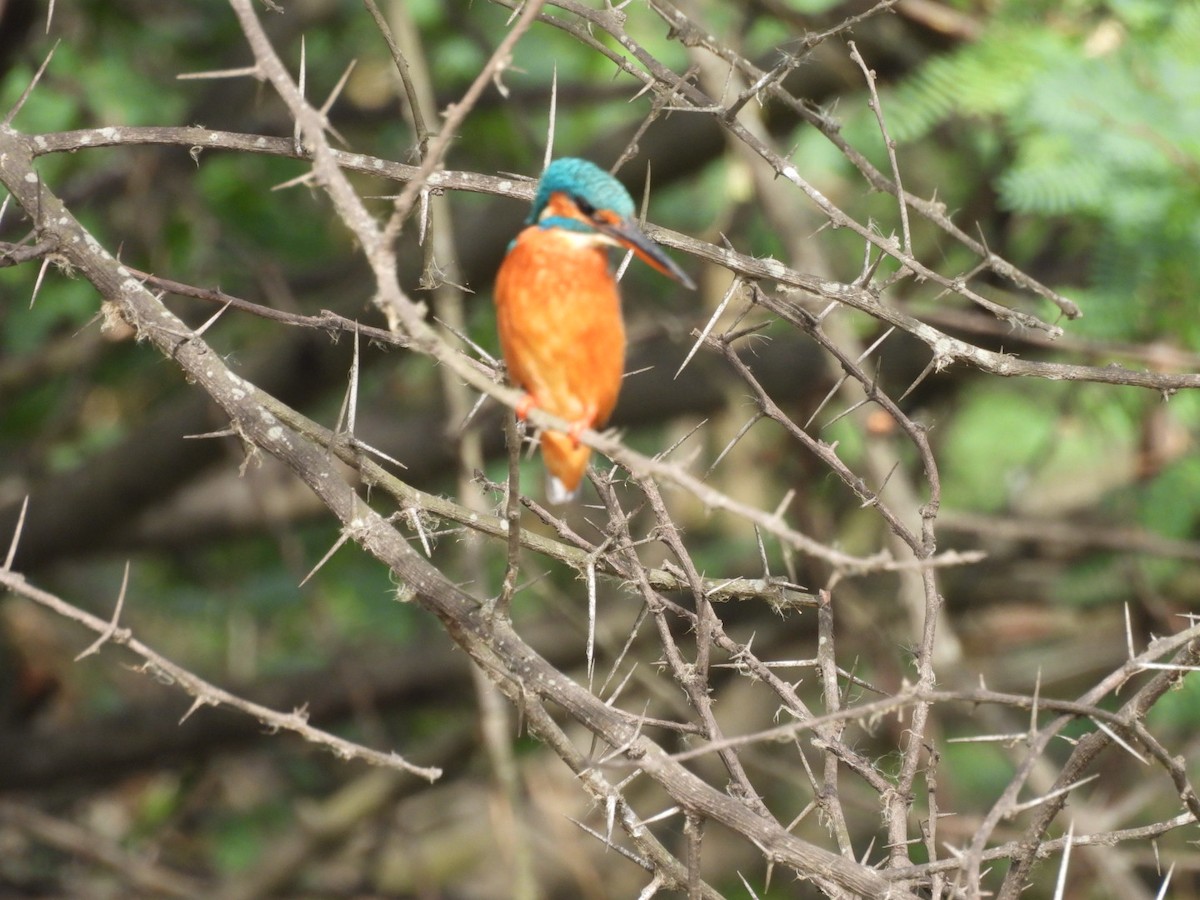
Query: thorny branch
point(947, 350)
point(204, 693)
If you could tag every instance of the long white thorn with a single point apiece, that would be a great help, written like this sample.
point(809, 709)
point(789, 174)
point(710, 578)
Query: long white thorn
point(591, 638)
point(37, 285)
point(1162, 891)
point(108, 632)
point(704, 333)
point(1061, 886)
point(553, 118)
point(345, 536)
point(16, 538)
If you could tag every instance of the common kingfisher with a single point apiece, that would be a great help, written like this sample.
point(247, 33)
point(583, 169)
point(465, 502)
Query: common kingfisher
point(559, 311)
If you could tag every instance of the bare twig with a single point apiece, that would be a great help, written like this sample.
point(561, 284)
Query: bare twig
point(205, 693)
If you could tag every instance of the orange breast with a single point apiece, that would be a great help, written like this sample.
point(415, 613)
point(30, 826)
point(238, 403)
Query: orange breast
point(559, 316)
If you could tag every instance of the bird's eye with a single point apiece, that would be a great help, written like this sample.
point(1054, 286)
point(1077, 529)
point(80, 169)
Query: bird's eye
point(584, 207)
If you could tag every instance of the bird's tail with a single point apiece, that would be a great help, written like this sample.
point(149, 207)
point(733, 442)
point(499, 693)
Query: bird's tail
point(566, 459)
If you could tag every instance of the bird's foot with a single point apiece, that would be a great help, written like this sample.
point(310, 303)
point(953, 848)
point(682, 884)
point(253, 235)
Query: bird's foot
point(582, 424)
point(524, 405)
point(576, 430)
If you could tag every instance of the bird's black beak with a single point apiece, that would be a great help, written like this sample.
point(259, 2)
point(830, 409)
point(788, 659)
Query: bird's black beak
point(627, 234)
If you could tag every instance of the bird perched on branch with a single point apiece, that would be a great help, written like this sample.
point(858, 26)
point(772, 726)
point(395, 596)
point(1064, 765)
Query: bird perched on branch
point(559, 310)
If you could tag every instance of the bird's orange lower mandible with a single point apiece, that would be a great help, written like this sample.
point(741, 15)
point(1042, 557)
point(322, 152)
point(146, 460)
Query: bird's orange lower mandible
point(559, 311)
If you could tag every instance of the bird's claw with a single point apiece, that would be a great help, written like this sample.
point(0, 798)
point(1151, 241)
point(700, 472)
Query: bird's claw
point(578, 427)
point(524, 405)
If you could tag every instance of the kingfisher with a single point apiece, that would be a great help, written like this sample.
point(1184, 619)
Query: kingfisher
point(558, 309)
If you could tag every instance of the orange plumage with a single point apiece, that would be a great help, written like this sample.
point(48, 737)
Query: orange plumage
point(558, 309)
point(559, 317)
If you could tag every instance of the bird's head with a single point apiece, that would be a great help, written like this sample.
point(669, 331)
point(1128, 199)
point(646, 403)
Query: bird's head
point(579, 196)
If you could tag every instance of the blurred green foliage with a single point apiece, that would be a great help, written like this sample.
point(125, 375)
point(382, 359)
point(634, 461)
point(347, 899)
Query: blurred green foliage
point(1099, 105)
point(1085, 119)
